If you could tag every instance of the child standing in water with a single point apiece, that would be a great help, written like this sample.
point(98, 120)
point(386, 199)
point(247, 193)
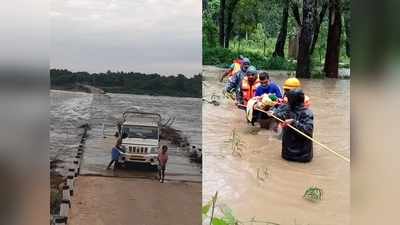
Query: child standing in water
point(162, 160)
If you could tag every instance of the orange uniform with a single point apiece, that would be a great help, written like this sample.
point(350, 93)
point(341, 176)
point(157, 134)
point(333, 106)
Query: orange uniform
point(248, 90)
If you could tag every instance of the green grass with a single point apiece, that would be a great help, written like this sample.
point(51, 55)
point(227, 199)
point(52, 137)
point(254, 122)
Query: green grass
point(313, 194)
point(261, 57)
point(221, 214)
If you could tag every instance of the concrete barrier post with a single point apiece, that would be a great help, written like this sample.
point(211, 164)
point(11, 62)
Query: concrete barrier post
point(80, 150)
point(70, 183)
point(64, 207)
point(65, 194)
point(71, 172)
point(76, 168)
point(60, 220)
point(78, 158)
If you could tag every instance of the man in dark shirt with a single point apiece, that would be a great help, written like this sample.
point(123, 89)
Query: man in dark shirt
point(296, 147)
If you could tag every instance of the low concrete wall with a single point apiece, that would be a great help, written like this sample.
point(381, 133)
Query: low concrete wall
point(68, 188)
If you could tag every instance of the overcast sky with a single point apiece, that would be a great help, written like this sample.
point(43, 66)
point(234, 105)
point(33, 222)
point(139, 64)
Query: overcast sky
point(160, 36)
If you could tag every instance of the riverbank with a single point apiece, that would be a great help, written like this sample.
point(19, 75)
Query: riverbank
point(128, 83)
point(70, 110)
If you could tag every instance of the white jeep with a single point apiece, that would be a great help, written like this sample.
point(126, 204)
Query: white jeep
point(140, 134)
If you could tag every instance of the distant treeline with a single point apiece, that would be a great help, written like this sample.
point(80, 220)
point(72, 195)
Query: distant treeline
point(129, 82)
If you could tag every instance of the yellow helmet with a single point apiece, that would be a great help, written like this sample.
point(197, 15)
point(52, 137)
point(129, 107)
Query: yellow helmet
point(291, 83)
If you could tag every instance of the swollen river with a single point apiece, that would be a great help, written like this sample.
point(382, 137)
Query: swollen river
point(258, 183)
point(69, 110)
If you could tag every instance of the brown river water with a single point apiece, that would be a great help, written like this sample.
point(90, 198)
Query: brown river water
point(259, 184)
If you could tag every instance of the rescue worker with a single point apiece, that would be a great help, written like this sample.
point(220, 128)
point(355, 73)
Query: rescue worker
point(248, 86)
point(233, 84)
point(234, 68)
point(290, 84)
point(296, 147)
point(267, 86)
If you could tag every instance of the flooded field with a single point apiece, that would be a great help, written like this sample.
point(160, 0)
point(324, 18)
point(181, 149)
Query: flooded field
point(69, 110)
point(260, 184)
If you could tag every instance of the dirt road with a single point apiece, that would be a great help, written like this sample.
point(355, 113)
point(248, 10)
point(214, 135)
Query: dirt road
point(127, 201)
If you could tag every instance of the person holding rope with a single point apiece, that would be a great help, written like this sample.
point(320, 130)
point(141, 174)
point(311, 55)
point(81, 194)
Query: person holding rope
point(295, 147)
point(233, 69)
point(290, 84)
point(233, 84)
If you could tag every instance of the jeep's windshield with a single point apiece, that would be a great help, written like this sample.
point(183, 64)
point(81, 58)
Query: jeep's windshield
point(140, 132)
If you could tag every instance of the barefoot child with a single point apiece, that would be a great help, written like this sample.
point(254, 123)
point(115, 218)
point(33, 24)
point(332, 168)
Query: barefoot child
point(162, 160)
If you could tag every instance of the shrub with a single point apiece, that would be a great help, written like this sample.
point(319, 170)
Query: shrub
point(223, 57)
point(279, 63)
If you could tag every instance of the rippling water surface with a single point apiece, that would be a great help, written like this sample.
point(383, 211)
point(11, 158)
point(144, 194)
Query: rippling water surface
point(259, 183)
point(69, 110)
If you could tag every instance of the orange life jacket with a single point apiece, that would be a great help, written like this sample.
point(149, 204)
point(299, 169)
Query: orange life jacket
point(236, 67)
point(248, 90)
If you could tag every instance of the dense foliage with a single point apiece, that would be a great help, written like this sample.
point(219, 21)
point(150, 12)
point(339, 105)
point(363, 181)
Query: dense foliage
point(257, 26)
point(129, 82)
point(223, 58)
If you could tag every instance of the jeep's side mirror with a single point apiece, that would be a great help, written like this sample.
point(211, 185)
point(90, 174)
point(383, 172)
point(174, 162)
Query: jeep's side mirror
point(116, 134)
point(124, 135)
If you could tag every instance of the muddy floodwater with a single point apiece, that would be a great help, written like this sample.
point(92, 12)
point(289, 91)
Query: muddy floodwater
point(69, 110)
point(259, 183)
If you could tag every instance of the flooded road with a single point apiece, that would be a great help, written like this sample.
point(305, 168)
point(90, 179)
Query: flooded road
point(69, 110)
point(260, 184)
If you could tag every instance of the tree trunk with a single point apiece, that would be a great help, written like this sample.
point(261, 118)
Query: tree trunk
point(229, 22)
point(347, 21)
point(291, 49)
point(317, 25)
point(331, 67)
point(280, 41)
point(222, 23)
point(303, 57)
point(294, 44)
